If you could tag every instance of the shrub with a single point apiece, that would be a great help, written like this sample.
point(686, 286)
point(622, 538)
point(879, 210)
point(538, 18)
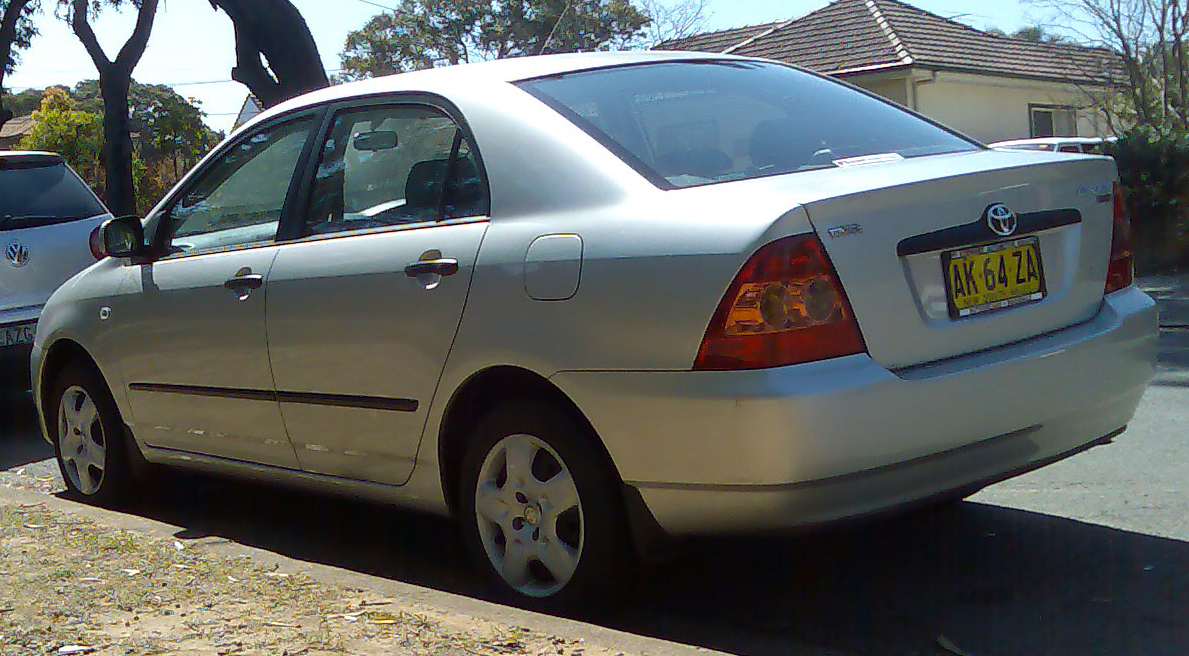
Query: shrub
point(1154, 171)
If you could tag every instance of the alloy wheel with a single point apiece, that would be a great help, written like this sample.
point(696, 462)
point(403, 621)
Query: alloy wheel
point(529, 515)
point(81, 442)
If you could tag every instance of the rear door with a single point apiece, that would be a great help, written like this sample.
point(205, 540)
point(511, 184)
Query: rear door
point(364, 302)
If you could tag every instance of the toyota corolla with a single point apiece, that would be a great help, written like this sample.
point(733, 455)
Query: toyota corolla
point(582, 301)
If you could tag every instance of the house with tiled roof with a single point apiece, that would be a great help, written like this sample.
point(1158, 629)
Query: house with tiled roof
point(248, 111)
point(14, 130)
point(988, 86)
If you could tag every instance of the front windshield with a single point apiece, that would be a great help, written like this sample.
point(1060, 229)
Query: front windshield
point(684, 124)
point(41, 195)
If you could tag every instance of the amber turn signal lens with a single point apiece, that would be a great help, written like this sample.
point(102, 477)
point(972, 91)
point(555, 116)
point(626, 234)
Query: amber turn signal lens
point(1121, 271)
point(785, 307)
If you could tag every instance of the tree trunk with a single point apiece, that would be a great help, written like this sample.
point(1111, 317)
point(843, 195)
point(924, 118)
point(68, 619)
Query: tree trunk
point(115, 78)
point(8, 37)
point(275, 30)
point(117, 142)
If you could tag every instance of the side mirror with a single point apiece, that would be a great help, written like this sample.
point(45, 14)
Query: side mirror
point(377, 140)
point(122, 237)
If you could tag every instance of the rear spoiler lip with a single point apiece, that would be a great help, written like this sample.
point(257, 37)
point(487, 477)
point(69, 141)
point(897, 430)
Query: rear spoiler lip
point(29, 160)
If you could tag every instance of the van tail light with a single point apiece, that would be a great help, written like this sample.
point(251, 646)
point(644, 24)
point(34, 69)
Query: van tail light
point(96, 247)
point(785, 307)
point(1121, 271)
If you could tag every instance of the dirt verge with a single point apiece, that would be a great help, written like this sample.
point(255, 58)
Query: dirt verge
point(71, 585)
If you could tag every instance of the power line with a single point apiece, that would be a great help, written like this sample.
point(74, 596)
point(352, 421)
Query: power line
point(376, 4)
point(164, 84)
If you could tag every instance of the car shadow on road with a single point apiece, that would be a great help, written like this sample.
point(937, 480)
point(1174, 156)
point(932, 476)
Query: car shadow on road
point(990, 580)
point(19, 431)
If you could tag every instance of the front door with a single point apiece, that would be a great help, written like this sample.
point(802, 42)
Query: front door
point(195, 351)
point(364, 304)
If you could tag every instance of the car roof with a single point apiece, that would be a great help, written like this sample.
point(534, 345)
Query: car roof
point(501, 71)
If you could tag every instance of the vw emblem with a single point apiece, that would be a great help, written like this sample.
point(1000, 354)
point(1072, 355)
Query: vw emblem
point(1001, 220)
point(17, 254)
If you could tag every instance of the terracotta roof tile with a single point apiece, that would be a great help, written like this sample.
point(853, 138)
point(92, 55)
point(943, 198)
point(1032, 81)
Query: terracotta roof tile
point(17, 127)
point(849, 35)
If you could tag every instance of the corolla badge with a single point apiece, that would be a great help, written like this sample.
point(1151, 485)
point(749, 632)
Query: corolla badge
point(1001, 220)
point(17, 254)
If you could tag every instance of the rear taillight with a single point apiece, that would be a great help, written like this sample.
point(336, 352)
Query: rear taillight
point(785, 307)
point(96, 247)
point(1121, 270)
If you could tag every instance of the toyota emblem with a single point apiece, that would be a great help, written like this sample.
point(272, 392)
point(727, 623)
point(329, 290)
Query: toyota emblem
point(17, 254)
point(1001, 220)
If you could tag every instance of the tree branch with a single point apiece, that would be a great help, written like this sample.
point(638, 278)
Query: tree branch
point(8, 31)
point(82, 29)
point(134, 49)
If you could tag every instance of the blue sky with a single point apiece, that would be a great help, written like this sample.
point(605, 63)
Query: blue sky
point(192, 46)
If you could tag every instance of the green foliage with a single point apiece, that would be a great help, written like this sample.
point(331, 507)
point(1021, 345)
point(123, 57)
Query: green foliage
point(171, 135)
point(423, 34)
point(25, 102)
point(77, 135)
point(169, 125)
point(1154, 171)
point(1036, 34)
point(22, 36)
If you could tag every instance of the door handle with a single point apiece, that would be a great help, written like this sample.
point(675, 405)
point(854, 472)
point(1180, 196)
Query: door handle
point(442, 267)
point(244, 282)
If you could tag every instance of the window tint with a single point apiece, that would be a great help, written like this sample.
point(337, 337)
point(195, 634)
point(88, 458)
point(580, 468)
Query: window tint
point(238, 201)
point(692, 123)
point(42, 193)
point(389, 165)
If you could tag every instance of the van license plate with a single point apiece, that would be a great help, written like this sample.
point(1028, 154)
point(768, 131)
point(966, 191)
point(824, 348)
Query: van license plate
point(993, 277)
point(17, 335)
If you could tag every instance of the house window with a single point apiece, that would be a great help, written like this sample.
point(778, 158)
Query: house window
point(1053, 121)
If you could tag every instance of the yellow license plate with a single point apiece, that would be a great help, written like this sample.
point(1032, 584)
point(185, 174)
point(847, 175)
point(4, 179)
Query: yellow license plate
point(993, 277)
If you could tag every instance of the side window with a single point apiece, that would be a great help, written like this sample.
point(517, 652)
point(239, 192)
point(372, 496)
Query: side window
point(237, 202)
point(393, 165)
point(466, 194)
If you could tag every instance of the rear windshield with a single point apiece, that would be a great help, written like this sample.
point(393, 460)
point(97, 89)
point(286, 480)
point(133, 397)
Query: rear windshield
point(684, 124)
point(36, 195)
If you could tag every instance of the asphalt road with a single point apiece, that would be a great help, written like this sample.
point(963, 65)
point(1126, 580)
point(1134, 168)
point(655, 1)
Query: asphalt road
point(1089, 556)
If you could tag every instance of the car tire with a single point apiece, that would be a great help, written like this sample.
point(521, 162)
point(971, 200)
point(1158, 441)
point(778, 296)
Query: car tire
point(541, 509)
point(88, 435)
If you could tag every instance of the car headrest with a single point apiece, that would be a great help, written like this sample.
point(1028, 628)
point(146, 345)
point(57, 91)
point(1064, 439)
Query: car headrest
point(423, 189)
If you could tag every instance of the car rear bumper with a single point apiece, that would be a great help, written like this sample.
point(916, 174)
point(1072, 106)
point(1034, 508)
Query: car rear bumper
point(750, 450)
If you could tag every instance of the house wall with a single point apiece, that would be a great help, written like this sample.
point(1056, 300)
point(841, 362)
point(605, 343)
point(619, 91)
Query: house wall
point(892, 89)
point(996, 109)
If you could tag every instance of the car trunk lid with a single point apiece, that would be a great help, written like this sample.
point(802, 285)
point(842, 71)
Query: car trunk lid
point(889, 243)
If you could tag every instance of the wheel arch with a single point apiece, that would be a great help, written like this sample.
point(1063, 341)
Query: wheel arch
point(57, 356)
point(476, 397)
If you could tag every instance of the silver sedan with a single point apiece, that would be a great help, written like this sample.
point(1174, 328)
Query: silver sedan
point(583, 301)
